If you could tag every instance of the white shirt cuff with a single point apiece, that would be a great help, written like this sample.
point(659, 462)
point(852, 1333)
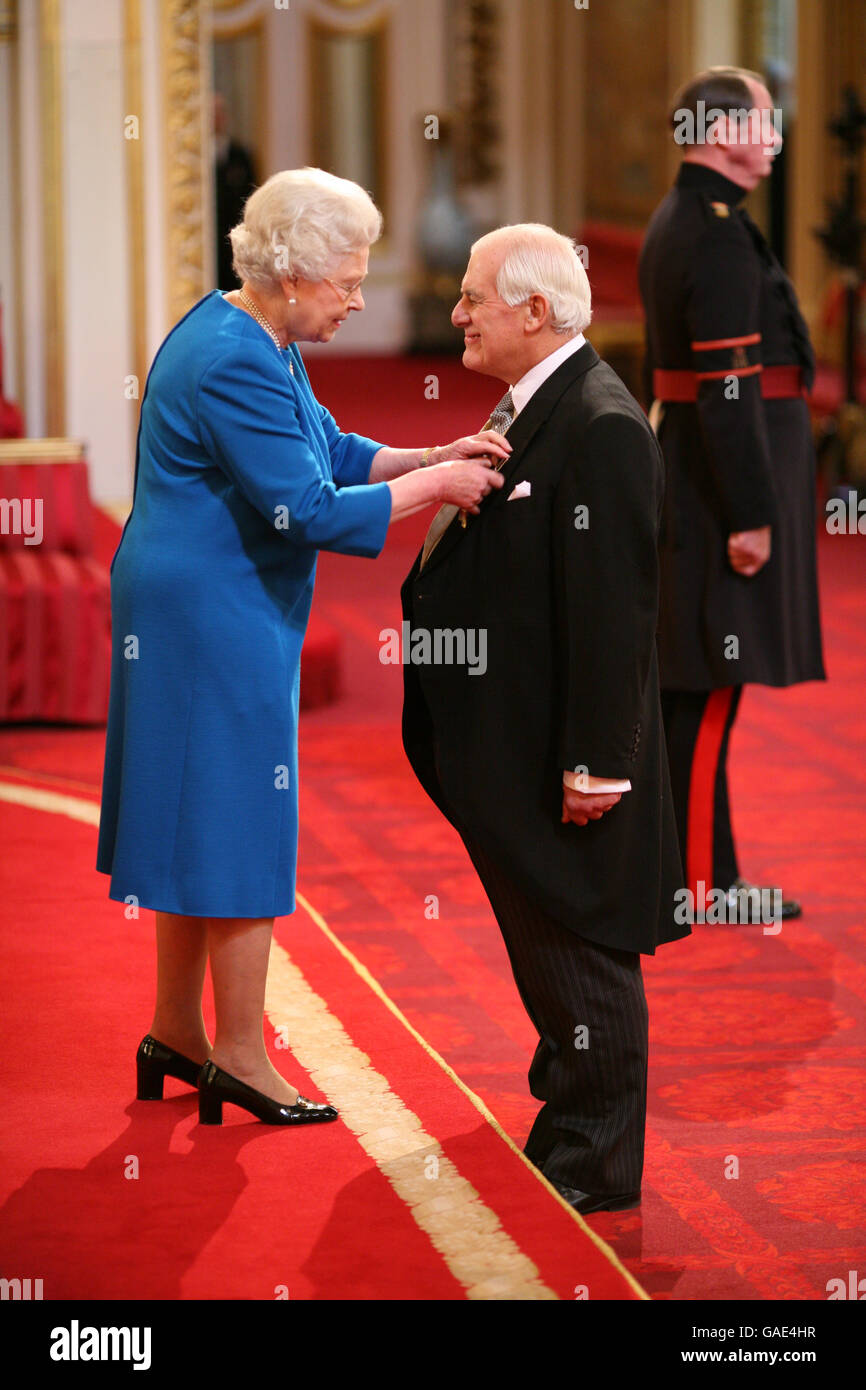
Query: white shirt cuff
point(592, 786)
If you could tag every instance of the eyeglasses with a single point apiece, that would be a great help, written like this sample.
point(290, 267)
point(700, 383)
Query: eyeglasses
point(345, 290)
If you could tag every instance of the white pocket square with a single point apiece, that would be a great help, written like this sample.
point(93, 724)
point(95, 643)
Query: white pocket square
point(523, 489)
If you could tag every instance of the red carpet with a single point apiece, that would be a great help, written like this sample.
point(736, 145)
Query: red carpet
point(754, 1180)
point(106, 1197)
point(757, 1042)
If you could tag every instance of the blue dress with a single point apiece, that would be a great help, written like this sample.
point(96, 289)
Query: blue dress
point(241, 478)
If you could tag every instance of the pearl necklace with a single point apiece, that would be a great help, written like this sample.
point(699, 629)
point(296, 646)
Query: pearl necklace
point(260, 318)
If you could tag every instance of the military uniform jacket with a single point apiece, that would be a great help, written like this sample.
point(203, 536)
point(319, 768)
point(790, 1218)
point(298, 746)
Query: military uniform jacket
point(563, 583)
point(719, 304)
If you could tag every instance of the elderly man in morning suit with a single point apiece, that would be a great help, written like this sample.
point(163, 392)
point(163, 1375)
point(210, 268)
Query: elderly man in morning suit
point(552, 764)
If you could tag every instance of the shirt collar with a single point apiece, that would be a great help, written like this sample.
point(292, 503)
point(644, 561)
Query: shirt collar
point(531, 380)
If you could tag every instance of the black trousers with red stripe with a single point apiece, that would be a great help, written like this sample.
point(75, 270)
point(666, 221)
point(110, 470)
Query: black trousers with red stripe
point(698, 728)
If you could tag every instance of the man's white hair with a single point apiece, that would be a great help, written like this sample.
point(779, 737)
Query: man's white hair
point(302, 222)
point(539, 260)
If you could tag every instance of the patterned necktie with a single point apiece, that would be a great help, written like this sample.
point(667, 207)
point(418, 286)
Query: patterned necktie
point(502, 417)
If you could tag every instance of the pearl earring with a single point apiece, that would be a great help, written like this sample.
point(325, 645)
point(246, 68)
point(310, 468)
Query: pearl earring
point(293, 301)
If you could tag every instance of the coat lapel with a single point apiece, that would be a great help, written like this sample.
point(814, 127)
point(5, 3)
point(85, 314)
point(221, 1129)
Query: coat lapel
point(520, 435)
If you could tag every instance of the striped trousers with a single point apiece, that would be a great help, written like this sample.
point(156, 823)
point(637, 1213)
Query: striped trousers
point(587, 1004)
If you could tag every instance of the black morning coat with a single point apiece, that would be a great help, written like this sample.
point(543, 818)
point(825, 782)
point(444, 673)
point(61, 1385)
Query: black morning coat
point(565, 584)
point(733, 462)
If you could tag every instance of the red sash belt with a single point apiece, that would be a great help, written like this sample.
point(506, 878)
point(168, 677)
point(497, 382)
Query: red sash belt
point(777, 383)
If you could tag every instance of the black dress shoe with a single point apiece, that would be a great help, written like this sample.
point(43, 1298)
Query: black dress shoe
point(586, 1202)
point(216, 1085)
point(754, 905)
point(154, 1062)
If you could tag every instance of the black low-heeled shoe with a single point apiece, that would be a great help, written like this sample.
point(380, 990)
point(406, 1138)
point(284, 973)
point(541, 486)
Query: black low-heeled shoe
point(587, 1202)
point(154, 1062)
point(216, 1086)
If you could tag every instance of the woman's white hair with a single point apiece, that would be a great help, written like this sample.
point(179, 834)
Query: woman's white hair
point(302, 222)
point(539, 260)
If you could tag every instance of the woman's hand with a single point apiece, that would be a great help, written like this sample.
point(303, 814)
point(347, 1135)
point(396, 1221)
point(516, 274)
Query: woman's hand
point(488, 442)
point(389, 463)
point(465, 484)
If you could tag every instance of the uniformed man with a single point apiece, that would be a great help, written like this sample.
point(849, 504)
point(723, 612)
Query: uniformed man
point(728, 365)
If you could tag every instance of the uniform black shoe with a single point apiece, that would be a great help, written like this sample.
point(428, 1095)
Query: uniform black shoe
point(586, 1202)
point(753, 904)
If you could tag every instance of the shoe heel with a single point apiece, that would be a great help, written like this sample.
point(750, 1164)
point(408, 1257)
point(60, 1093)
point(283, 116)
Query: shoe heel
point(151, 1079)
point(210, 1109)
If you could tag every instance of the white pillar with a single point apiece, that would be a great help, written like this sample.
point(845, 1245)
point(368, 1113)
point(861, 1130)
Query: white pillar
point(98, 331)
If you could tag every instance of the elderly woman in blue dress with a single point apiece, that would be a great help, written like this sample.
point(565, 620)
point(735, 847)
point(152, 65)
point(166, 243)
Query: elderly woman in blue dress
point(241, 478)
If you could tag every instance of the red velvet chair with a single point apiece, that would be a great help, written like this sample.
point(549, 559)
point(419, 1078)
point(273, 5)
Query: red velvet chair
point(55, 608)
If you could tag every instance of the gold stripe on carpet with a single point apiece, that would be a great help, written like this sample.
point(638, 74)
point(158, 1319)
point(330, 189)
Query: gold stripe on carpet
point(461, 1228)
point(56, 802)
point(609, 1254)
point(447, 1208)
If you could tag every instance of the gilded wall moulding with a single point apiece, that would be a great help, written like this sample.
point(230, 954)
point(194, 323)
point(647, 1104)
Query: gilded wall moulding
point(8, 21)
point(186, 192)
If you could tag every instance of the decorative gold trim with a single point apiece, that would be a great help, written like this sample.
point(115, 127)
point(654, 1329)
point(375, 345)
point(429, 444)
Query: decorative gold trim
point(379, 28)
point(8, 21)
point(183, 141)
point(17, 224)
point(135, 192)
point(53, 250)
point(750, 28)
point(681, 65)
point(241, 30)
point(811, 158)
point(37, 450)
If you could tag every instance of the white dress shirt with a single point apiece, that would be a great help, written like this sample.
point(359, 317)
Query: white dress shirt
point(531, 380)
point(520, 394)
